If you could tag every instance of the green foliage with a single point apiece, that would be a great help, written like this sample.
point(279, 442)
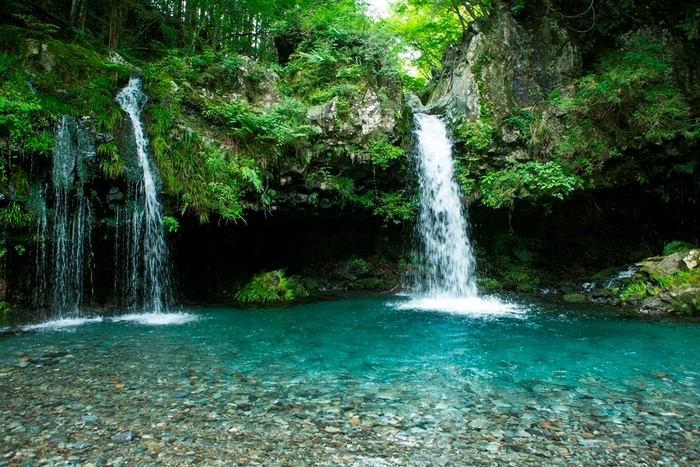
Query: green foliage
point(634, 291)
point(517, 7)
point(22, 119)
point(5, 313)
point(521, 122)
point(111, 164)
point(501, 188)
point(628, 98)
point(477, 135)
point(425, 28)
point(171, 224)
point(271, 286)
point(341, 63)
point(382, 153)
point(394, 207)
point(15, 215)
point(677, 247)
point(512, 260)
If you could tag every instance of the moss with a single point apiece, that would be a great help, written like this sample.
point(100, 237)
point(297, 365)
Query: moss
point(489, 284)
point(677, 247)
point(605, 273)
point(574, 298)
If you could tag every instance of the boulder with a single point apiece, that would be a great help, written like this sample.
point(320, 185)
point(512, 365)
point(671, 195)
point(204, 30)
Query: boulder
point(692, 259)
point(663, 266)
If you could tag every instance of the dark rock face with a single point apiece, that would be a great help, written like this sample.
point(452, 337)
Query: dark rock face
point(211, 260)
point(505, 63)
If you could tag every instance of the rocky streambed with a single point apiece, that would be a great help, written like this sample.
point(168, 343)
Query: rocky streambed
point(290, 388)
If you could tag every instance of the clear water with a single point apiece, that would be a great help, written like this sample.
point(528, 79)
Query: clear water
point(447, 268)
point(362, 382)
point(145, 254)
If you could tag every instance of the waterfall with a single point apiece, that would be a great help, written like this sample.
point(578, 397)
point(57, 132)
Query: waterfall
point(63, 232)
point(147, 279)
point(447, 269)
point(444, 276)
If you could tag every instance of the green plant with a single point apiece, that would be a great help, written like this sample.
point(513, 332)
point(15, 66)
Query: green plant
point(5, 313)
point(477, 135)
point(393, 207)
point(630, 96)
point(171, 224)
point(677, 247)
point(382, 153)
point(271, 286)
point(520, 122)
point(634, 291)
point(501, 188)
point(111, 164)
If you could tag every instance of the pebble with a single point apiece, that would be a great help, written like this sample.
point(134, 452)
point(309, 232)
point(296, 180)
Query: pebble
point(276, 413)
point(124, 437)
point(82, 444)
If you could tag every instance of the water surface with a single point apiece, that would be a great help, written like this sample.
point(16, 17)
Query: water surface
point(362, 382)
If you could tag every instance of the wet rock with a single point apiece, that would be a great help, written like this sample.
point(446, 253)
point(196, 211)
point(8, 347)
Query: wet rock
point(692, 259)
point(124, 437)
point(663, 266)
point(180, 394)
point(574, 298)
point(81, 445)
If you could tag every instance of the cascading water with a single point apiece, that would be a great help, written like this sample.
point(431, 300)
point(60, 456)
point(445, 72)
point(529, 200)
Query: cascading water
point(448, 267)
point(63, 231)
point(444, 277)
point(147, 281)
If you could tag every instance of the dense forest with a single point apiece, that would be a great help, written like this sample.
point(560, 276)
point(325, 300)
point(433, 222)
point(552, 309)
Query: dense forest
point(298, 108)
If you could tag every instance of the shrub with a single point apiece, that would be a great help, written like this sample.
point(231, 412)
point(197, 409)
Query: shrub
point(271, 286)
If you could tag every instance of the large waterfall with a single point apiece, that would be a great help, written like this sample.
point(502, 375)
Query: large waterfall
point(147, 280)
point(443, 279)
point(448, 267)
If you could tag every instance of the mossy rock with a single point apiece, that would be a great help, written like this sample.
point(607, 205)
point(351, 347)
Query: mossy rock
point(489, 284)
point(677, 247)
point(687, 301)
point(574, 298)
point(660, 267)
point(605, 273)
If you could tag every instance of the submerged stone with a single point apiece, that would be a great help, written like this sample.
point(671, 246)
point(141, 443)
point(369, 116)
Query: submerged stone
point(124, 437)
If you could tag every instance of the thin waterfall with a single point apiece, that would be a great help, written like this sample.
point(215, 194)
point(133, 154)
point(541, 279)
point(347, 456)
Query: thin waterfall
point(41, 251)
point(447, 267)
point(63, 230)
point(147, 282)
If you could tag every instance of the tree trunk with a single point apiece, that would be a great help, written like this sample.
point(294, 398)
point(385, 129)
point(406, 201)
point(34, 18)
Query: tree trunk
point(78, 12)
point(116, 22)
point(216, 18)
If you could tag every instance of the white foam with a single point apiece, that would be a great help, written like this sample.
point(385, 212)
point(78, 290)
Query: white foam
point(476, 306)
point(61, 324)
point(157, 319)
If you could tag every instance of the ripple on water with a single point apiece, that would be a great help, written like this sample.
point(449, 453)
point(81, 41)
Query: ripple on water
point(63, 324)
point(476, 306)
point(158, 319)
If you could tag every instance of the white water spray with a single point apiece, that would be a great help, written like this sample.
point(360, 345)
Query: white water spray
point(148, 252)
point(444, 279)
point(442, 224)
